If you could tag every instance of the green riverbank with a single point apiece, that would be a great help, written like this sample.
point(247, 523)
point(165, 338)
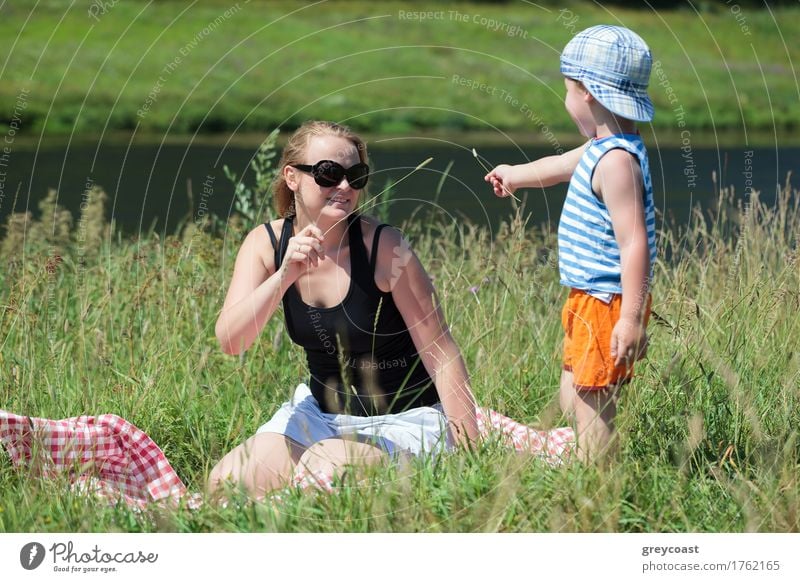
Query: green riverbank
point(183, 67)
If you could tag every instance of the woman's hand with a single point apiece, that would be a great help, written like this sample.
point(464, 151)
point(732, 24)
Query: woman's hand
point(303, 251)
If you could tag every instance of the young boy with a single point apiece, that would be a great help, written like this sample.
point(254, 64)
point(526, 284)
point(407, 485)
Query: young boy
point(606, 235)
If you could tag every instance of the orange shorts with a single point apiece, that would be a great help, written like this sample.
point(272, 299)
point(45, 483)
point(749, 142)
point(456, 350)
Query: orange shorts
point(588, 323)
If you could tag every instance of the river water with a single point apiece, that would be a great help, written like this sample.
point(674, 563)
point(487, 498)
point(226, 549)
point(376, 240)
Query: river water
point(147, 182)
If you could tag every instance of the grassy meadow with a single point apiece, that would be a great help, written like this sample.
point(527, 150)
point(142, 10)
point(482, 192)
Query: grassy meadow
point(91, 323)
point(181, 67)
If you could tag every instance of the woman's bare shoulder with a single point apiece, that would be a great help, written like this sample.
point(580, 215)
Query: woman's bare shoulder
point(259, 242)
point(369, 225)
point(391, 250)
point(277, 227)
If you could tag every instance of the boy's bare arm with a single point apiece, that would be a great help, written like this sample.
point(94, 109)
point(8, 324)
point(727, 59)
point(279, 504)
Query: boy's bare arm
point(618, 180)
point(540, 173)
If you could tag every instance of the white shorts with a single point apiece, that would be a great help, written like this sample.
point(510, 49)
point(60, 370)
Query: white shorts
point(416, 431)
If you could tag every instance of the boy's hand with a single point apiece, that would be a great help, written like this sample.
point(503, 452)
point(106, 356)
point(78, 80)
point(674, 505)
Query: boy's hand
point(501, 180)
point(628, 342)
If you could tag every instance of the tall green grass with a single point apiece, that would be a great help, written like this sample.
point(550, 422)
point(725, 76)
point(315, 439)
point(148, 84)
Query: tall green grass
point(91, 323)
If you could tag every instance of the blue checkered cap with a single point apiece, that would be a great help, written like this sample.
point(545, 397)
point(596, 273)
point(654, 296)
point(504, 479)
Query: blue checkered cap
point(613, 63)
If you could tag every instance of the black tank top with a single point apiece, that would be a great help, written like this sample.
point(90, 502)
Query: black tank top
point(360, 355)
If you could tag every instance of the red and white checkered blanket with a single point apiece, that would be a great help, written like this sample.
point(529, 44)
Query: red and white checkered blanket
point(105, 455)
point(110, 458)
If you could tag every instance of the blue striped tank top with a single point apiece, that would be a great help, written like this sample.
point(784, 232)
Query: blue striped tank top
point(588, 254)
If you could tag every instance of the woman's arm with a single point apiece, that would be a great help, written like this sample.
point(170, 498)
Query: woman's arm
point(257, 287)
point(413, 293)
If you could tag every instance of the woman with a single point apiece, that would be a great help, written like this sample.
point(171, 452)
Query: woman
point(386, 377)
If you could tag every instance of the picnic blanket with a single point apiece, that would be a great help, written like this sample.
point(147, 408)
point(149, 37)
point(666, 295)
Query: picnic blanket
point(108, 457)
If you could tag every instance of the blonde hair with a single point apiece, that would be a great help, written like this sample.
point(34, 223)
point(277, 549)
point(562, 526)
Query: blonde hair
point(294, 153)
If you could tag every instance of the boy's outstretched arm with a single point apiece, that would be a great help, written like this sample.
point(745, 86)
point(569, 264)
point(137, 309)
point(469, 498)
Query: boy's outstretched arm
point(618, 180)
point(540, 173)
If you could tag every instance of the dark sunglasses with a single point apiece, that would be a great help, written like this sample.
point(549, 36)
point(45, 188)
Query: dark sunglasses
point(328, 173)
